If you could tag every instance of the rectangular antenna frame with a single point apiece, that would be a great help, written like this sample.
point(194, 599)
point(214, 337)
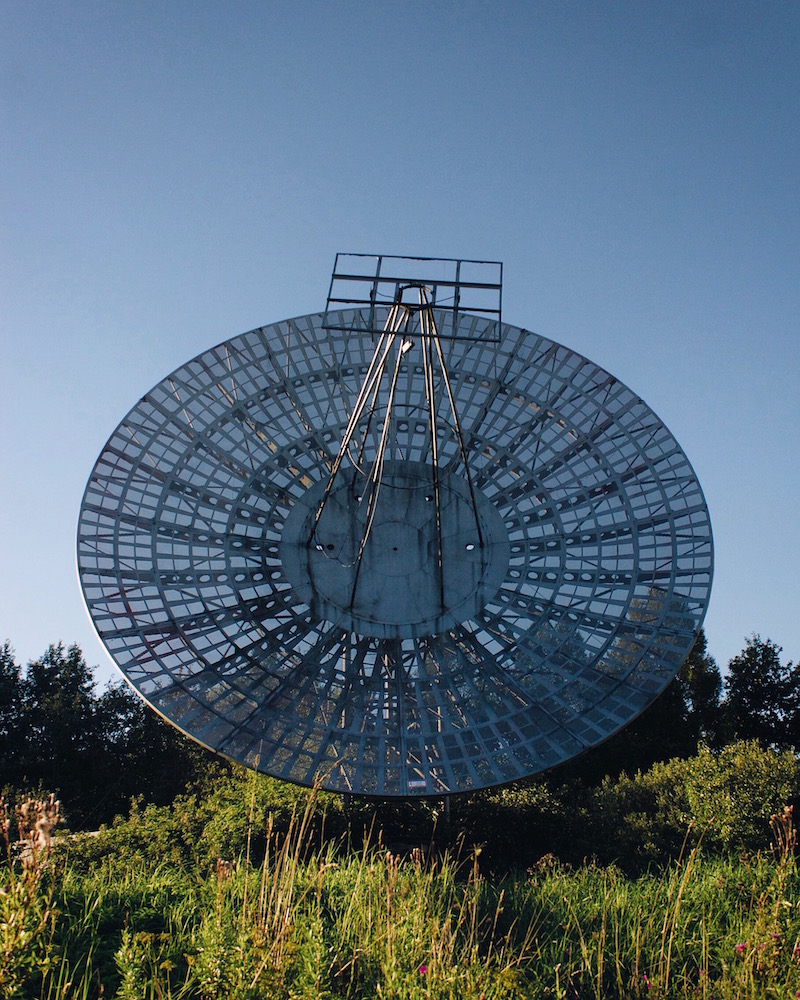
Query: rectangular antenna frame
point(370, 283)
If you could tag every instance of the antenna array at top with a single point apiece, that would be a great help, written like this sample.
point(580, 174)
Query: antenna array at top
point(371, 283)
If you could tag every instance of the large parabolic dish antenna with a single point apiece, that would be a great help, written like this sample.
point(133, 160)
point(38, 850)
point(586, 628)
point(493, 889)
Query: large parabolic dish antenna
point(398, 547)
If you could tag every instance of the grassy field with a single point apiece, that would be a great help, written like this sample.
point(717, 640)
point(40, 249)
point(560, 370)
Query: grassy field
point(310, 921)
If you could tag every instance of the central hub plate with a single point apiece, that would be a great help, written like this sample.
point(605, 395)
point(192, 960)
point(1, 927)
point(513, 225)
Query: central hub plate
point(408, 583)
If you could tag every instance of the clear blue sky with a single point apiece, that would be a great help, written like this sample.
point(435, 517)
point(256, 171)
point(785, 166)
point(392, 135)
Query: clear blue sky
point(174, 174)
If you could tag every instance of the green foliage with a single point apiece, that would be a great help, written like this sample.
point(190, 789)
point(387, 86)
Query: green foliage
point(725, 799)
point(218, 882)
point(10, 712)
point(731, 795)
point(643, 819)
point(243, 804)
point(100, 752)
point(686, 712)
point(310, 922)
point(144, 756)
point(27, 915)
point(722, 799)
point(62, 735)
point(762, 696)
point(94, 752)
point(26, 924)
point(701, 683)
point(195, 830)
point(515, 826)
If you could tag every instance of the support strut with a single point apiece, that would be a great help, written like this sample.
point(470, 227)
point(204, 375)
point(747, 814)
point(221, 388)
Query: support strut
point(395, 340)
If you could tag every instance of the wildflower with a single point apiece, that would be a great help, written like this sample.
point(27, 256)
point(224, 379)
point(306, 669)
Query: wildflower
point(422, 969)
point(740, 949)
point(775, 936)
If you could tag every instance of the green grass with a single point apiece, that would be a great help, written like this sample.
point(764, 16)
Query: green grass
point(305, 921)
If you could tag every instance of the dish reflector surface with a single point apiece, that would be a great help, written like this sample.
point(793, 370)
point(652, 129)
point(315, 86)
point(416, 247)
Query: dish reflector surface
point(240, 624)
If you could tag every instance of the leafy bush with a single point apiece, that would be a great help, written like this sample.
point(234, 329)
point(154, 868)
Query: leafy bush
point(642, 819)
point(725, 799)
point(195, 831)
point(732, 794)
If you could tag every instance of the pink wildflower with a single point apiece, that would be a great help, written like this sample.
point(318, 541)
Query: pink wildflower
point(740, 949)
point(422, 969)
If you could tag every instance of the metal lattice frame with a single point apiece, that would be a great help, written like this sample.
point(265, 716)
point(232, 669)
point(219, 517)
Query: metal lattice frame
point(607, 570)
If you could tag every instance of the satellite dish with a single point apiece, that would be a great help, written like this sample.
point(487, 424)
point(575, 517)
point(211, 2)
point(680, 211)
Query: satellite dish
point(398, 547)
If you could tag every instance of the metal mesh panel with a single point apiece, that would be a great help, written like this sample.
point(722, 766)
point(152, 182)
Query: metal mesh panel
point(607, 569)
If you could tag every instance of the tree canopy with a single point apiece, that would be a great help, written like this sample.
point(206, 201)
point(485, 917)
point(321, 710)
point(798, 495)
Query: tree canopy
point(95, 752)
point(762, 696)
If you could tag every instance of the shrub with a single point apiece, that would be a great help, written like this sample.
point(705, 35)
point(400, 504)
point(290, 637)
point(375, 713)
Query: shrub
point(732, 794)
point(723, 799)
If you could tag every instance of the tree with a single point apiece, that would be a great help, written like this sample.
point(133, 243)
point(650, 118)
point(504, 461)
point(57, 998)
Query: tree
point(701, 687)
point(143, 755)
point(762, 696)
point(95, 753)
point(11, 734)
point(63, 743)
